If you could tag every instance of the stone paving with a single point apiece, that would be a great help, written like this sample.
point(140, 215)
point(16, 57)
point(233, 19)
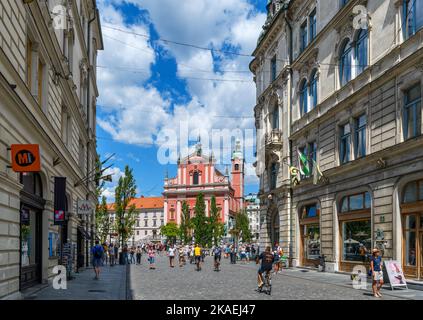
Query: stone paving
point(110, 286)
point(238, 282)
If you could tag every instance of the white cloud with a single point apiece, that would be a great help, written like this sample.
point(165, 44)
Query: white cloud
point(109, 187)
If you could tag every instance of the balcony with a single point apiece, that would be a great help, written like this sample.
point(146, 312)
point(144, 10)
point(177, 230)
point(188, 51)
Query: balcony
point(273, 140)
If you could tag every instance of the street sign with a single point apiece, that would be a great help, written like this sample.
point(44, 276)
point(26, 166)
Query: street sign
point(84, 207)
point(26, 158)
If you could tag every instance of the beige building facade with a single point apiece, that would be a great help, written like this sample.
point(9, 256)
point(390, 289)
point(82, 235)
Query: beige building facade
point(48, 52)
point(347, 85)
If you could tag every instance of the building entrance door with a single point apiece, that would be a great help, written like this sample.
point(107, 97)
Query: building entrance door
point(30, 247)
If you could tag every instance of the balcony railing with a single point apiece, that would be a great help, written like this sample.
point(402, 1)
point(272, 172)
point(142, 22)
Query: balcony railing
point(274, 139)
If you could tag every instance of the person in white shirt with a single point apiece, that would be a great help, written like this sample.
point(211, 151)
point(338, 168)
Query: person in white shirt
point(171, 255)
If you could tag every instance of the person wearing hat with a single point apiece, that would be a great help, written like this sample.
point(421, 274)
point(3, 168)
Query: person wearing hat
point(377, 273)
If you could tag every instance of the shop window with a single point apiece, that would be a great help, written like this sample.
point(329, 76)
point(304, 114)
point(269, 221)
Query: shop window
point(310, 211)
point(356, 240)
point(360, 136)
point(345, 144)
point(355, 202)
point(413, 192)
point(412, 115)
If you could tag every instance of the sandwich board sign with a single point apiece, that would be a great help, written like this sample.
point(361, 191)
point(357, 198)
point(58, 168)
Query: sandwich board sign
point(85, 207)
point(395, 274)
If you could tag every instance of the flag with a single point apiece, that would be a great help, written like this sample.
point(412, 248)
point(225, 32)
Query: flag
point(317, 174)
point(303, 164)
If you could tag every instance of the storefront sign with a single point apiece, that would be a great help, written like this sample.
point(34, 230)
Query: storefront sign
point(395, 274)
point(84, 207)
point(26, 158)
point(59, 200)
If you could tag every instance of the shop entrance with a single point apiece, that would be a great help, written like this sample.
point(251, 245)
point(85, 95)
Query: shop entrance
point(412, 227)
point(32, 205)
point(310, 235)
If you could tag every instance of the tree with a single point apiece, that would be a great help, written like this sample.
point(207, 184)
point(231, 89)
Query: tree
point(216, 227)
point(200, 221)
point(241, 229)
point(102, 220)
point(170, 231)
point(125, 214)
point(186, 224)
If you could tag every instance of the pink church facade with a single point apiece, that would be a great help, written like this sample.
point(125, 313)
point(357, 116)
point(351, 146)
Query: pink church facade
point(197, 174)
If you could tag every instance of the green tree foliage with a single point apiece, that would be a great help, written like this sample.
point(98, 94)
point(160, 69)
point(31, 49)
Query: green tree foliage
point(125, 214)
point(216, 228)
point(171, 231)
point(241, 229)
point(186, 224)
point(200, 222)
point(102, 220)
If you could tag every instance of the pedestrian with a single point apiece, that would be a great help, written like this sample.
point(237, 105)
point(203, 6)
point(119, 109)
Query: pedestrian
point(151, 256)
point(97, 252)
point(243, 255)
point(377, 273)
point(111, 255)
point(116, 249)
point(132, 255)
point(171, 254)
point(139, 255)
point(125, 254)
point(181, 256)
point(105, 252)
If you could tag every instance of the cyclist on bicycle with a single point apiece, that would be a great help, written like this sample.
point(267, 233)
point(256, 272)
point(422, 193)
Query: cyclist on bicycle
point(197, 255)
point(267, 260)
point(217, 256)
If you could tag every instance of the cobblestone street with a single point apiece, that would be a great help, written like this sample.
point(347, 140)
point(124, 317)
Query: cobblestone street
point(238, 282)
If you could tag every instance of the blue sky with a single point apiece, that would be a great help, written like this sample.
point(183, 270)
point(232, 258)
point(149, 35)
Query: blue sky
point(150, 88)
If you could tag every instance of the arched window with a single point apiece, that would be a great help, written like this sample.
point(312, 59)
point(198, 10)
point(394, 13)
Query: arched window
point(361, 51)
point(236, 167)
point(303, 97)
point(345, 63)
point(313, 89)
point(195, 178)
point(32, 183)
point(413, 192)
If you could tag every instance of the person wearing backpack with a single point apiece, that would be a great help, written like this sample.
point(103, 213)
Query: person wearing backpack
point(97, 252)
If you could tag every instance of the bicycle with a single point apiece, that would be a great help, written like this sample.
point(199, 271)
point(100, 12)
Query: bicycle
point(267, 283)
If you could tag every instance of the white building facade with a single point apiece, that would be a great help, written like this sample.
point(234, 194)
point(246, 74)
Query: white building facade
point(252, 207)
point(341, 83)
point(48, 97)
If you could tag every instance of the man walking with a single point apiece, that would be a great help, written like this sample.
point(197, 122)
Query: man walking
point(97, 252)
point(111, 255)
point(171, 254)
point(138, 255)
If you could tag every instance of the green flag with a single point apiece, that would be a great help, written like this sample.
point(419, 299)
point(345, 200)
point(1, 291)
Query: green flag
point(303, 164)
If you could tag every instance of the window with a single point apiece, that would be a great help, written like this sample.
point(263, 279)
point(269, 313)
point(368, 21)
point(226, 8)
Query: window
point(303, 98)
point(275, 117)
point(312, 155)
point(138, 233)
point(154, 223)
point(145, 232)
point(273, 68)
point(345, 144)
point(66, 126)
point(345, 64)
point(310, 211)
point(236, 167)
point(413, 16)
point(356, 239)
point(355, 202)
point(195, 178)
point(273, 175)
point(313, 89)
point(360, 136)
point(36, 73)
point(413, 192)
point(138, 223)
point(412, 117)
point(161, 222)
point(303, 36)
point(313, 24)
point(361, 51)
point(145, 223)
